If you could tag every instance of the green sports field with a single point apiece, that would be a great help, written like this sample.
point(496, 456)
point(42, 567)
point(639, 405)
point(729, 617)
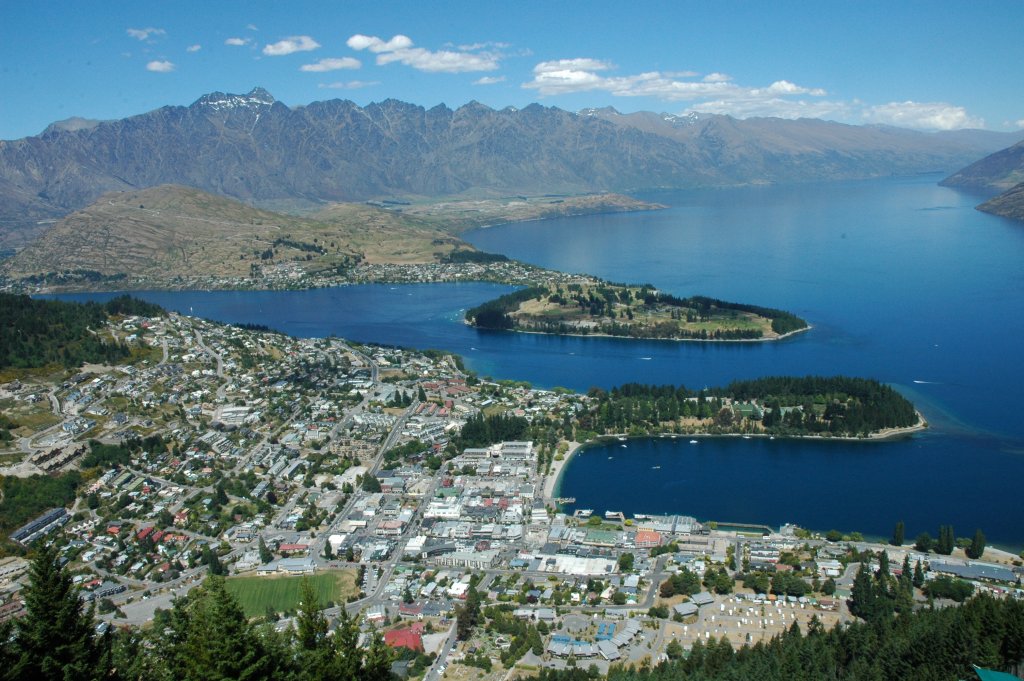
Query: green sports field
point(282, 593)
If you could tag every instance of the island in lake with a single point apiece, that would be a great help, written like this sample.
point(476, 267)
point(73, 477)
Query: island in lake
point(595, 307)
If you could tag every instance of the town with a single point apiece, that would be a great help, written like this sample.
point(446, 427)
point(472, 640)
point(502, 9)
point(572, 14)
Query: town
point(417, 496)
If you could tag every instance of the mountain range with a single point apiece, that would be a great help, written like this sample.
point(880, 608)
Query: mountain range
point(257, 150)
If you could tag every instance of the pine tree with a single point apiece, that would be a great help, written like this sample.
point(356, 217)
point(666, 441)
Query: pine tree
point(55, 639)
point(316, 651)
point(946, 541)
point(212, 640)
point(265, 554)
point(377, 661)
point(977, 546)
point(883, 566)
point(349, 663)
point(862, 596)
point(918, 575)
point(898, 534)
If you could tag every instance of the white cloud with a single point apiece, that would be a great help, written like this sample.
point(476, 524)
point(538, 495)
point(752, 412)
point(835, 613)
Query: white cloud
point(144, 33)
point(349, 85)
point(717, 77)
point(1020, 124)
point(472, 47)
point(237, 42)
point(775, 107)
point(784, 87)
point(290, 45)
point(160, 66)
point(489, 80)
point(400, 49)
point(332, 64)
point(194, 48)
point(560, 65)
point(376, 45)
point(713, 93)
point(922, 115)
point(251, 27)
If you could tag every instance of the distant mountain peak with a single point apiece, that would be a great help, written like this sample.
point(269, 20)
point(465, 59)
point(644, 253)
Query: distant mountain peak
point(602, 111)
point(257, 98)
point(71, 125)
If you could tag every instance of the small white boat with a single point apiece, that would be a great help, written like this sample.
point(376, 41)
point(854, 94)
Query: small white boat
point(693, 442)
point(654, 468)
point(623, 446)
point(746, 437)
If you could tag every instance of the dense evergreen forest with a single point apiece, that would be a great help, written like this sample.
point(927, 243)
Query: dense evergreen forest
point(837, 405)
point(25, 498)
point(483, 431)
point(478, 257)
point(36, 333)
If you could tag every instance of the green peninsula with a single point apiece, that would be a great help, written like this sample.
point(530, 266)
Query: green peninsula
point(786, 406)
point(596, 307)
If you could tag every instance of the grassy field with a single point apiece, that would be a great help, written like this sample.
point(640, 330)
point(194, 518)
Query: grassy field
point(282, 593)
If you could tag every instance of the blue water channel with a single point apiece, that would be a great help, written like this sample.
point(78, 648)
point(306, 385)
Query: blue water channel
point(902, 280)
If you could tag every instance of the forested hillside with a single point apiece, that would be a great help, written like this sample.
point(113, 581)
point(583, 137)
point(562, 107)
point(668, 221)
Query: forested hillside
point(35, 333)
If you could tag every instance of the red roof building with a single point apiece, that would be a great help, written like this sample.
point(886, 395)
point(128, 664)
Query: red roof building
point(647, 539)
point(404, 638)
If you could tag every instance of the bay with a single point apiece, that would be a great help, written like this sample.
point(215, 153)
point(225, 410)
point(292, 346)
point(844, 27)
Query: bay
point(902, 280)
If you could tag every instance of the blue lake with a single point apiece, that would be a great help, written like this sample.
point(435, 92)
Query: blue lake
point(902, 279)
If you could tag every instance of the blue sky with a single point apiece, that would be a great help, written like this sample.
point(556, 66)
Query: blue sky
point(936, 65)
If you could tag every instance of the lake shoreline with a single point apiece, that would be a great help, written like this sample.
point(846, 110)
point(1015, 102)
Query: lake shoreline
point(649, 338)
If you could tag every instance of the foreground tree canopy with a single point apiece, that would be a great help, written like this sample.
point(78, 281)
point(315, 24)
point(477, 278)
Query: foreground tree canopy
point(205, 637)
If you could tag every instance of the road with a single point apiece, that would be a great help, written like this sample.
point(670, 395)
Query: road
point(436, 670)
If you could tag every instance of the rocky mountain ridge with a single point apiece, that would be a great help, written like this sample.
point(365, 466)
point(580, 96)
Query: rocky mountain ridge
point(257, 150)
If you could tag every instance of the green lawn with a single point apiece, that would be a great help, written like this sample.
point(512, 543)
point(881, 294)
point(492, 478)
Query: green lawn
point(282, 593)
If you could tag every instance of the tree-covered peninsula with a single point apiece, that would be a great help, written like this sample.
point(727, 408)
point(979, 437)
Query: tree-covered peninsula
point(835, 406)
point(600, 308)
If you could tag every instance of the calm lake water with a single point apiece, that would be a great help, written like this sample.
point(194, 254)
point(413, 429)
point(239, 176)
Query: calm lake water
point(902, 279)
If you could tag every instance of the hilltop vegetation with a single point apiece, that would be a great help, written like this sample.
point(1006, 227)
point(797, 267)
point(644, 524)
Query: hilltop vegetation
point(36, 333)
point(632, 312)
